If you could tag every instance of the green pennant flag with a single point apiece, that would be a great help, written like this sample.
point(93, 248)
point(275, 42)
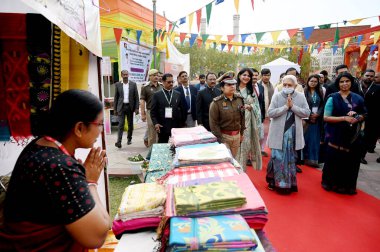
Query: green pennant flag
point(242, 49)
point(214, 44)
point(155, 35)
point(128, 31)
point(259, 35)
point(174, 26)
point(325, 26)
point(336, 37)
point(208, 12)
point(204, 38)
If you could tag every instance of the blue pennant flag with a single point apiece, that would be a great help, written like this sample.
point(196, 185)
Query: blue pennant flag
point(223, 45)
point(249, 48)
point(373, 47)
point(192, 39)
point(218, 2)
point(182, 20)
point(307, 31)
point(360, 38)
point(244, 37)
point(138, 36)
point(335, 49)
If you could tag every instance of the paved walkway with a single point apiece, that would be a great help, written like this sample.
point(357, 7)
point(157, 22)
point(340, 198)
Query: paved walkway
point(368, 181)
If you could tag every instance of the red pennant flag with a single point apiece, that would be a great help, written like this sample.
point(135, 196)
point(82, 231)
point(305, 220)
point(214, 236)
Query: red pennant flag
point(199, 41)
point(170, 26)
point(320, 48)
point(366, 36)
point(199, 16)
point(300, 57)
point(230, 37)
point(229, 47)
point(253, 4)
point(182, 36)
point(295, 49)
point(292, 32)
point(340, 42)
point(117, 32)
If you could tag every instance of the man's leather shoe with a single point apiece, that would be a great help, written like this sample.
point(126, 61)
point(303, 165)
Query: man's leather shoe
point(378, 160)
point(264, 154)
point(129, 142)
point(146, 143)
point(363, 161)
point(298, 169)
point(118, 145)
point(249, 162)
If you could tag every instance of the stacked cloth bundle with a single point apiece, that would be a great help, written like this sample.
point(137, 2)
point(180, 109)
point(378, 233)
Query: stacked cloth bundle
point(212, 196)
point(202, 154)
point(141, 207)
point(160, 163)
point(189, 136)
point(254, 211)
point(216, 233)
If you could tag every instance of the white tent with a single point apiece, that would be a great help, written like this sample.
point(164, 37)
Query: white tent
point(279, 66)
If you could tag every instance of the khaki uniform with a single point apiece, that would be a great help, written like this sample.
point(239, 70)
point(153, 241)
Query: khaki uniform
point(147, 91)
point(227, 120)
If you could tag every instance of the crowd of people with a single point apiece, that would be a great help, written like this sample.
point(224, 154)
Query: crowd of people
point(323, 123)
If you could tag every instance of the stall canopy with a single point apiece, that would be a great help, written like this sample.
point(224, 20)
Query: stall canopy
point(279, 66)
point(78, 19)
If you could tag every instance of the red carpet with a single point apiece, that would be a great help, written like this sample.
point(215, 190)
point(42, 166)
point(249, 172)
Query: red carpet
point(316, 220)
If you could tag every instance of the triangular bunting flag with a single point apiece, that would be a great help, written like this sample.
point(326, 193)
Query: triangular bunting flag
point(362, 49)
point(336, 37)
point(192, 39)
point(182, 20)
point(204, 38)
point(214, 45)
point(163, 35)
point(191, 18)
point(159, 33)
point(236, 49)
point(182, 37)
point(170, 26)
point(325, 26)
point(128, 31)
point(346, 41)
point(218, 38)
point(207, 45)
point(244, 37)
point(376, 36)
point(356, 21)
point(199, 16)
point(259, 35)
point(174, 26)
point(372, 49)
point(229, 47)
point(292, 32)
point(271, 50)
point(117, 32)
point(253, 6)
point(310, 50)
point(300, 57)
point(335, 48)
point(360, 38)
point(305, 47)
point(222, 46)
point(340, 42)
point(199, 42)
point(249, 48)
point(208, 12)
point(320, 47)
point(218, 2)
point(172, 37)
point(138, 36)
point(230, 37)
point(155, 36)
point(307, 31)
point(236, 2)
point(242, 49)
point(275, 35)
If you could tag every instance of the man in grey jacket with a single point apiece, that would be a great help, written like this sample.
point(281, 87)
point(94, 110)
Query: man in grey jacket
point(126, 101)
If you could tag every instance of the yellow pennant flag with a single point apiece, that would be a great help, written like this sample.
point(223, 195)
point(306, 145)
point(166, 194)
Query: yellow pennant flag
point(236, 50)
point(362, 49)
point(309, 49)
point(172, 37)
point(346, 41)
point(217, 39)
point(275, 35)
point(356, 21)
point(167, 49)
point(191, 17)
point(376, 36)
point(281, 49)
point(237, 6)
point(207, 45)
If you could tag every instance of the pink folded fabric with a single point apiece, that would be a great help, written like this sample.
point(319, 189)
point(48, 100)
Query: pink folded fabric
point(118, 226)
point(180, 175)
point(194, 135)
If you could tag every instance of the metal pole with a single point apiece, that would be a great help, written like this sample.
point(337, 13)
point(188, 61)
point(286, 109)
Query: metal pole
point(154, 29)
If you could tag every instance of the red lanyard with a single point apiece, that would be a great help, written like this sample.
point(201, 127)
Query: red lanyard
point(60, 146)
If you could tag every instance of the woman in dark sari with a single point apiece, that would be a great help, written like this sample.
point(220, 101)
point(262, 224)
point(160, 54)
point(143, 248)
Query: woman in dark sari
point(313, 125)
point(344, 112)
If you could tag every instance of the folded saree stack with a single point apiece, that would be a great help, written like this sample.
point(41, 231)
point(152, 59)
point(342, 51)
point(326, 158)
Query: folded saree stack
point(141, 207)
point(189, 136)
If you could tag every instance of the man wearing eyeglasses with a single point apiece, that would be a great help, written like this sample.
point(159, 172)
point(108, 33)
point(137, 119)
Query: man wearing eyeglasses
point(167, 109)
point(126, 101)
point(227, 121)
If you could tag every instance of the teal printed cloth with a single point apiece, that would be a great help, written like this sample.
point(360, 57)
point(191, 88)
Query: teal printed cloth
point(160, 162)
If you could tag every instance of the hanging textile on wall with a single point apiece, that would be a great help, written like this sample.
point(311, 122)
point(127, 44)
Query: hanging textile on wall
point(39, 33)
point(14, 65)
point(56, 62)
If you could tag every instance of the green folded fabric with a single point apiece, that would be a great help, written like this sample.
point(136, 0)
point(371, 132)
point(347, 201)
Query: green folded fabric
point(208, 197)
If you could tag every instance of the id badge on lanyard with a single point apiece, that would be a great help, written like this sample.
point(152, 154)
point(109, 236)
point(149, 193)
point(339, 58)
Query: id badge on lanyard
point(168, 112)
point(314, 110)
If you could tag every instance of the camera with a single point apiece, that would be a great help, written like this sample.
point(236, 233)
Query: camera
point(356, 116)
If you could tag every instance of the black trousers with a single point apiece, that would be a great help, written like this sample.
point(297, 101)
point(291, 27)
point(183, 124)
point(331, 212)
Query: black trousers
point(129, 113)
point(163, 137)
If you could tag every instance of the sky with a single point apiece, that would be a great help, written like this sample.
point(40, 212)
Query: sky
point(269, 15)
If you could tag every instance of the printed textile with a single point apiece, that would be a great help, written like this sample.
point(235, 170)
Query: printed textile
point(216, 233)
point(160, 162)
point(210, 196)
point(142, 197)
point(193, 135)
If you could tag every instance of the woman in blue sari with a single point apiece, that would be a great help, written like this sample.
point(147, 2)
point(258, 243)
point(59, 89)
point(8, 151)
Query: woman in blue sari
point(344, 112)
point(285, 137)
point(313, 125)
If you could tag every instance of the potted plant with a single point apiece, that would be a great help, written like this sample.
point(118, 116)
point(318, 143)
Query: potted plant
point(144, 167)
point(135, 162)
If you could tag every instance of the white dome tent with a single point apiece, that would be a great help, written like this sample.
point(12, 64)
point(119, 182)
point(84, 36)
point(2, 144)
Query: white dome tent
point(279, 66)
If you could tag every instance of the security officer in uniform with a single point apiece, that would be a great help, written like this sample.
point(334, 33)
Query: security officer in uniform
point(227, 121)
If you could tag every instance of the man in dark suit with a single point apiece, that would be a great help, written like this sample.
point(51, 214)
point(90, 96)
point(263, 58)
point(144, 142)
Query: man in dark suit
point(189, 97)
point(204, 99)
point(126, 102)
point(167, 109)
point(259, 90)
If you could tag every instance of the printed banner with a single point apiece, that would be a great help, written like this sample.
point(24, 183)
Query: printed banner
point(136, 59)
